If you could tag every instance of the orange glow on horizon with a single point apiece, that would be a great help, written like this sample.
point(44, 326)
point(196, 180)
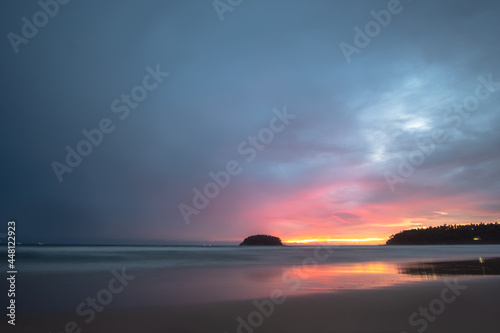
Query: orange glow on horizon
point(336, 240)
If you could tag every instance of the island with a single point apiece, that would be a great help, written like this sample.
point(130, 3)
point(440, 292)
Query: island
point(448, 235)
point(261, 240)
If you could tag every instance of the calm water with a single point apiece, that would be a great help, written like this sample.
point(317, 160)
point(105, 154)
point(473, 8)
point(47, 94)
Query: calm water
point(58, 278)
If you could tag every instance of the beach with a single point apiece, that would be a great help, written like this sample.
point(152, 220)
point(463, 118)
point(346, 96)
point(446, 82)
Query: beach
point(355, 311)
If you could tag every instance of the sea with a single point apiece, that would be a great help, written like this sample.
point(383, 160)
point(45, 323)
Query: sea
point(59, 278)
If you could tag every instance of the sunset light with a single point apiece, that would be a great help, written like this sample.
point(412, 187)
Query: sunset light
point(334, 240)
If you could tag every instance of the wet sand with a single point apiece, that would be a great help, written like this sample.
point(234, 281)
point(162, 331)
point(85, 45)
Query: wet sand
point(463, 305)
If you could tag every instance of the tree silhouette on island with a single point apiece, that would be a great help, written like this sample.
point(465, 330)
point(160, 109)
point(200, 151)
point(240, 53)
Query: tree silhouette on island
point(448, 235)
point(261, 240)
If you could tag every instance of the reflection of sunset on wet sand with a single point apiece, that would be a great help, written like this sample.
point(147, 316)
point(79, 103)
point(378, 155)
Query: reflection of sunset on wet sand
point(329, 278)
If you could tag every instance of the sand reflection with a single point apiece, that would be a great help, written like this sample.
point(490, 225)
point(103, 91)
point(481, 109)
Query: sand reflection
point(329, 278)
point(477, 267)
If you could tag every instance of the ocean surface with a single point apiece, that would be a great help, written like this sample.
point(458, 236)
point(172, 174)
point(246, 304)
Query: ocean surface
point(59, 278)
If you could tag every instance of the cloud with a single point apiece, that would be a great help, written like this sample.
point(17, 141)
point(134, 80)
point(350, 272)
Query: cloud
point(324, 174)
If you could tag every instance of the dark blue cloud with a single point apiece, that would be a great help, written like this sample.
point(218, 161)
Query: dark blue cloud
point(354, 120)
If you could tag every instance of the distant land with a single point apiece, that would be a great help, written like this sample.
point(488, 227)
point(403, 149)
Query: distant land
point(261, 240)
point(449, 235)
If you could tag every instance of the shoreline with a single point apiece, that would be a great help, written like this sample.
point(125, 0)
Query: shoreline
point(386, 309)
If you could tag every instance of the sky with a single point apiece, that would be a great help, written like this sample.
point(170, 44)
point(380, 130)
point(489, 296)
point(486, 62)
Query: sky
point(192, 122)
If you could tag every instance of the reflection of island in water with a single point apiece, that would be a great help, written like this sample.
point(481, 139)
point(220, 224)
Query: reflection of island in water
point(469, 267)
